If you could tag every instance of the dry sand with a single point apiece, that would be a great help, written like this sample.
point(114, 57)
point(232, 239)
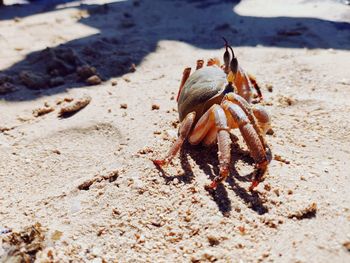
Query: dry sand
point(87, 178)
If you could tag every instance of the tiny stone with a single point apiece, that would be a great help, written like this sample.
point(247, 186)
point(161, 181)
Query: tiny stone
point(42, 111)
point(213, 241)
point(155, 107)
point(269, 87)
point(267, 187)
point(94, 80)
point(123, 106)
point(270, 132)
point(277, 192)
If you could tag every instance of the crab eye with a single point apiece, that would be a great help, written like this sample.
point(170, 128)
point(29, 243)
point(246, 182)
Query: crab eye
point(226, 59)
point(234, 65)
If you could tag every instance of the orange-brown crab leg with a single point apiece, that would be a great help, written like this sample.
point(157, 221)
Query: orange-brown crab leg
point(215, 118)
point(185, 129)
point(252, 138)
point(185, 75)
point(252, 80)
point(263, 118)
point(245, 106)
point(200, 63)
point(213, 61)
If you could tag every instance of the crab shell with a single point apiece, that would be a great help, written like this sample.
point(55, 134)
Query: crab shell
point(205, 87)
point(202, 89)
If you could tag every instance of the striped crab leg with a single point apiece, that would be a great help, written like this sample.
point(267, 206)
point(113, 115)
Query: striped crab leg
point(215, 119)
point(185, 75)
point(184, 131)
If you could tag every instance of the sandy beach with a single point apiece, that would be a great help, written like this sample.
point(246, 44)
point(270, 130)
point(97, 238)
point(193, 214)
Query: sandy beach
point(81, 187)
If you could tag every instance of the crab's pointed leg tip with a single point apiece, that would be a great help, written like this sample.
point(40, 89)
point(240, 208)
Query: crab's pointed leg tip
point(253, 185)
point(211, 187)
point(159, 163)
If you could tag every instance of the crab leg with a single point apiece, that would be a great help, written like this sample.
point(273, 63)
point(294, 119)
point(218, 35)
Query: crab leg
point(245, 106)
point(185, 129)
point(185, 76)
point(252, 80)
point(251, 137)
point(215, 118)
point(200, 63)
point(213, 61)
point(263, 118)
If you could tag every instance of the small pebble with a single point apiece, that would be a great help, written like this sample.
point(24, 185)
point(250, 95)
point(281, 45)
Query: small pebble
point(123, 106)
point(267, 187)
point(56, 151)
point(213, 241)
point(269, 87)
point(155, 107)
point(93, 80)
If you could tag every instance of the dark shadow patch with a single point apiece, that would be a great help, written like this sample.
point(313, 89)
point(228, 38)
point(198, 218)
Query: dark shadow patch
point(220, 197)
point(207, 160)
point(129, 32)
point(187, 176)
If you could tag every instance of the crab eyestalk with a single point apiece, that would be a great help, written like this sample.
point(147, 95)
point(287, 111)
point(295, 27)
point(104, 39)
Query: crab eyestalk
point(231, 67)
point(227, 58)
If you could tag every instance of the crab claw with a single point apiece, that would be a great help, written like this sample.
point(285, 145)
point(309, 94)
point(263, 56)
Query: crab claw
point(211, 187)
point(259, 174)
point(224, 172)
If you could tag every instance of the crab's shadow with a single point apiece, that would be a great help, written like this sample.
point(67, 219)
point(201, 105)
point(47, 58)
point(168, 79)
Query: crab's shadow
point(207, 160)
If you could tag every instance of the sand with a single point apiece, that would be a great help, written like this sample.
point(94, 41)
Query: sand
point(83, 185)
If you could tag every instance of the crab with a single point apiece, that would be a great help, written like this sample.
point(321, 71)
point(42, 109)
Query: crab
point(214, 100)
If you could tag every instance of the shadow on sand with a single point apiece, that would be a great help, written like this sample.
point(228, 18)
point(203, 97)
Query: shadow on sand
point(130, 30)
point(207, 161)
